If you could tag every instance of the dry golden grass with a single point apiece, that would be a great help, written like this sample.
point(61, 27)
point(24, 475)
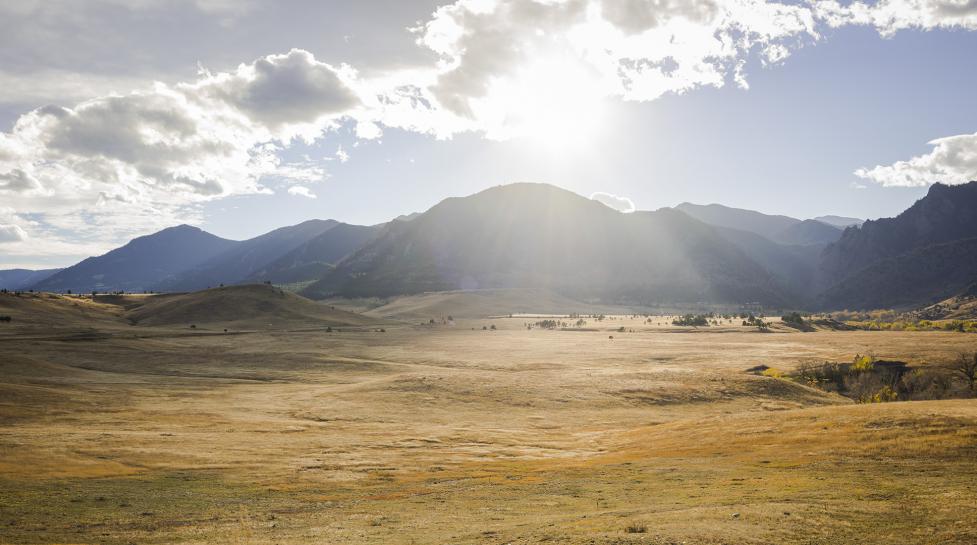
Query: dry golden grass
point(111, 433)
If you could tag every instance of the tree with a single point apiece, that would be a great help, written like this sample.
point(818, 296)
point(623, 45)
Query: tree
point(966, 366)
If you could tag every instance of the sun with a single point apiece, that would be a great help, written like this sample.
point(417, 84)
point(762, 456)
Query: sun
point(552, 103)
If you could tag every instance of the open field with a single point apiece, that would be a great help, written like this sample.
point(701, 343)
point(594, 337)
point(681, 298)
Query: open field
point(119, 433)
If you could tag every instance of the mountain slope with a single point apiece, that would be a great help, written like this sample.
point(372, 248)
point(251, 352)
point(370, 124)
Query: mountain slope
point(841, 222)
point(245, 258)
point(315, 257)
point(962, 306)
point(808, 232)
point(780, 229)
point(540, 236)
point(141, 264)
point(737, 218)
point(794, 266)
point(923, 276)
point(21, 279)
point(945, 214)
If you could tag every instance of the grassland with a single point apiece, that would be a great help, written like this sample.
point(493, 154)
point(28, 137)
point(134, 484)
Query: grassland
point(448, 433)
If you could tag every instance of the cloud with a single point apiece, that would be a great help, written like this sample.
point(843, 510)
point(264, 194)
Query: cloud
point(12, 233)
point(301, 191)
point(953, 160)
point(278, 91)
point(621, 204)
point(135, 161)
point(495, 55)
point(891, 16)
point(18, 181)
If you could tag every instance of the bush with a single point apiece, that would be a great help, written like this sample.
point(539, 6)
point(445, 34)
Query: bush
point(5, 319)
point(862, 364)
point(636, 529)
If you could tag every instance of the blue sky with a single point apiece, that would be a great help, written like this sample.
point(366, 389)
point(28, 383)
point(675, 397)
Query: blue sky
point(832, 89)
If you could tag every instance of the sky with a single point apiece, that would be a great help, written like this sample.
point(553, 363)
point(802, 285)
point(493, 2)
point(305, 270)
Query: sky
point(122, 117)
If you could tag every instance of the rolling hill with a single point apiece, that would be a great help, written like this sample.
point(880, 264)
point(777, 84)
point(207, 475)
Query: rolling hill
point(244, 306)
point(142, 264)
point(540, 236)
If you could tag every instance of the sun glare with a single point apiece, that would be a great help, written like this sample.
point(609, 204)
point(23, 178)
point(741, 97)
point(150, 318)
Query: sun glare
point(556, 104)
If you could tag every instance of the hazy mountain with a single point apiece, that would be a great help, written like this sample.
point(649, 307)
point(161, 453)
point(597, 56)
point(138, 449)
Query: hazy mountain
point(738, 218)
point(945, 214)
point(808, 232)
point(540, 236)
point(840, 222)
point(141, 264)
point(780, 229)
point(407, 217)
point(21, 279)
point(241, 261)
point(315, 257)
point(923, 276)
point(795, 266)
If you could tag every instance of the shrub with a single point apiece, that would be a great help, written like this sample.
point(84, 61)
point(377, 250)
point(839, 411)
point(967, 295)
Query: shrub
point(5, 319)
point(772, 372)
point(636, 529)
point(862, 364)
point(884, 395)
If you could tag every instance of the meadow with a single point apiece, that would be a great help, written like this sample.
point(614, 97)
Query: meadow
point(623, 430)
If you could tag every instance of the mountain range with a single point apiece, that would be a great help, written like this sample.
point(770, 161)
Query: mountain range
point(538, 236)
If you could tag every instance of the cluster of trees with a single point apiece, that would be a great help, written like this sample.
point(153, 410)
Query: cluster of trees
point(756, 322)
point(868, 380)
point(548, 324)
point(694, 320)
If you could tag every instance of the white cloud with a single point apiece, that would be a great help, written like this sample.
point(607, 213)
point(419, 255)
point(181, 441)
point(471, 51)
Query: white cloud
point(301, 191)
point(891, 16)
point(125, 164)
point(621, 204)
point(12, 233)
point(953, 160)
point(505, 63)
